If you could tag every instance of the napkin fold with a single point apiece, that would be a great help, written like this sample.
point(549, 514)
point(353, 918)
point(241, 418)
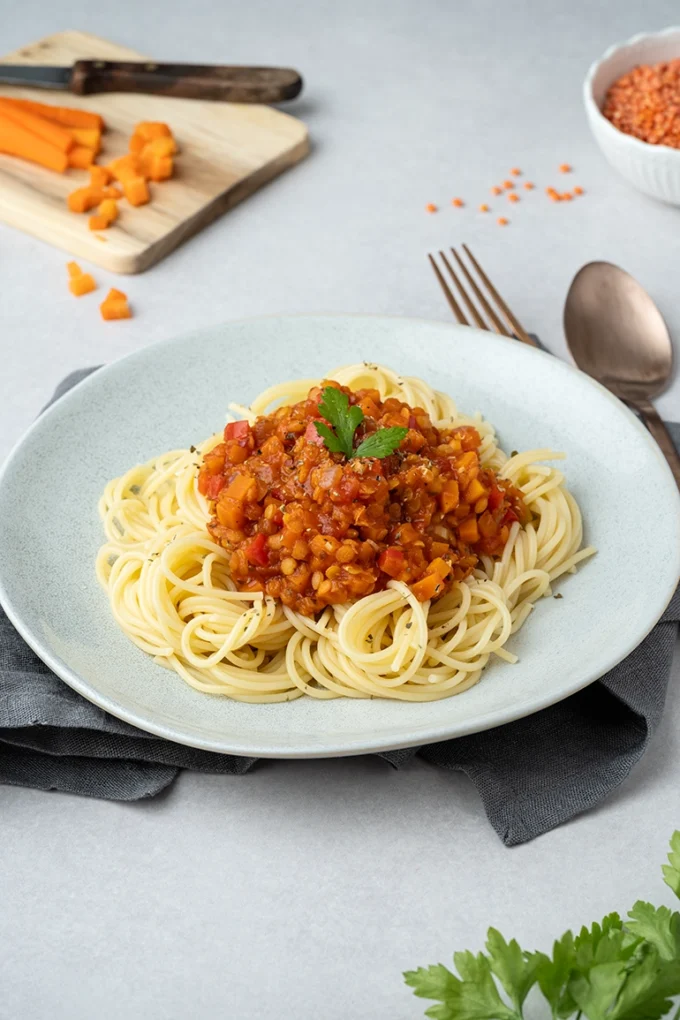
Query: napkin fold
point(531, 775)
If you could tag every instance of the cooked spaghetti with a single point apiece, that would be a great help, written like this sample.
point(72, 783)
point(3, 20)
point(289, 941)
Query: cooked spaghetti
point(390, 553)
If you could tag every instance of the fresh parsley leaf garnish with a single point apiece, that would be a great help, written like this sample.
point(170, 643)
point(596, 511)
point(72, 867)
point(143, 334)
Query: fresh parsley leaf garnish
point(332, 442)
point(614, 970)
point(381, 443)
point(345, 420)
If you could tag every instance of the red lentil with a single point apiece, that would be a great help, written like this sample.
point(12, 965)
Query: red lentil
point(644, 103)
point(430, 207)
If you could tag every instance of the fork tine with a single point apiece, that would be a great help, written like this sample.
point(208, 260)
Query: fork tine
point(497, 324)
point(514, 324)
point(453, 304)
point(464, 294)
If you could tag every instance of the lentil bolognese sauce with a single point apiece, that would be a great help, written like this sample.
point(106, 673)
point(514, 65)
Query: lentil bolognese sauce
point(354, 537)
point(313, 528)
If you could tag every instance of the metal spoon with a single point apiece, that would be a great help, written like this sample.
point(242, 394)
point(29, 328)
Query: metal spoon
point(616, 334)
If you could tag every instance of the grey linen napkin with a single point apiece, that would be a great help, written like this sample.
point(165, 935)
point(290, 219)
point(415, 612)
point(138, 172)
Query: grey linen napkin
point(531, 775)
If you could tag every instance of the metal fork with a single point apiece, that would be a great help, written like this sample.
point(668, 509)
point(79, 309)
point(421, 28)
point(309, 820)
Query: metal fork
point(512, 328)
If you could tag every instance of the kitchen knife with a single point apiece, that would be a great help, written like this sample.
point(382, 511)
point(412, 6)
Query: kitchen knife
point(188, 81)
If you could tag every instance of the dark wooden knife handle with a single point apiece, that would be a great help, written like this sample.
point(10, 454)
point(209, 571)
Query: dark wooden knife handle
point(188, 81)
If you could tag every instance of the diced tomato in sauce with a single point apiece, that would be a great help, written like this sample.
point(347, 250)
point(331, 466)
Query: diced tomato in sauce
point(313, 529)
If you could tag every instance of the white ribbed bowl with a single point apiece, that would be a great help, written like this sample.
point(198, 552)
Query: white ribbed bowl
point(653, 169)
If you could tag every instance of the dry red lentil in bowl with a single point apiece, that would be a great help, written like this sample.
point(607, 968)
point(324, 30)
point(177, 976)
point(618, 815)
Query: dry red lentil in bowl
point(645, 103)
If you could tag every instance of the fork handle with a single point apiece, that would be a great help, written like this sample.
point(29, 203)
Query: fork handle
point(657, 428)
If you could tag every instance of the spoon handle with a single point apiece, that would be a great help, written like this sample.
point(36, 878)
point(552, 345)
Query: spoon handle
point(656, 426)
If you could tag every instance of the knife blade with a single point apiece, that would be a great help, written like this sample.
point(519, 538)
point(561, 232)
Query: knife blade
point(188, 81)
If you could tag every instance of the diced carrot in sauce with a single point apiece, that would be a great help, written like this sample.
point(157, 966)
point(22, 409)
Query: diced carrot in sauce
point(315, 529)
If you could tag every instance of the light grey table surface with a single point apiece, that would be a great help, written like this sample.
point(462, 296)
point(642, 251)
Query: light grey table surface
point(303, 890)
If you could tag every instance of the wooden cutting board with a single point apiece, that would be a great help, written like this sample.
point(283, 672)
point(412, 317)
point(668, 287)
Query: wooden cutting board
point(227, 150)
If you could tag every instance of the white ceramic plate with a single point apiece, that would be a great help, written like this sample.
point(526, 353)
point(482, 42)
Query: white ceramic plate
point(176, 393)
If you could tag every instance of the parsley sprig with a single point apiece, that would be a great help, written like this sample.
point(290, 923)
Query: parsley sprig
point(615, 970)
point(345, 420)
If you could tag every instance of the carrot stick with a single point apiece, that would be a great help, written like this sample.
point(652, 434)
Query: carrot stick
point(89, 137)
point(45, 129)
point(81, 157)
point(65, 115)
point(16, 140)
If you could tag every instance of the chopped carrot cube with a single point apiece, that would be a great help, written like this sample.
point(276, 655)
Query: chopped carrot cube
point(115, 305)
point(430, 207)
point(99, 176)
point(98, 222)
point(149, 130)
point(468, 530)
point(458, 202)
point(427, 587)
point(109, 209)
point(125, 166)
point(157, 168)
point(112, 192)
point(136, 190)
point(79, 282)
point(165, 146)
point(82, 284)
point(137, 143)
point(83, 199)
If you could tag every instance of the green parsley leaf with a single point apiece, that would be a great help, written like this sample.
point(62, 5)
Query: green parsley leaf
point(345, 420)
point(553, 976)
point(671, 871)
point(648, 988)
point(597, 990)
point(657, 925)
point(382, 443)
point(475, 997)
point(331, 440)
point(515, 969)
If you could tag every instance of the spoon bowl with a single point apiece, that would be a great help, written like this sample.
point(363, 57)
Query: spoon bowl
point(617, 335)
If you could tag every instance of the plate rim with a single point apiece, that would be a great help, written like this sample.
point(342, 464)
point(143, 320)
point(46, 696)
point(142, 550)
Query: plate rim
point(362, 745)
